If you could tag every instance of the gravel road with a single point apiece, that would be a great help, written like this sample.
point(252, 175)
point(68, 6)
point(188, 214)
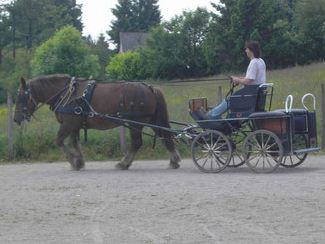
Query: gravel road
point(49, 203)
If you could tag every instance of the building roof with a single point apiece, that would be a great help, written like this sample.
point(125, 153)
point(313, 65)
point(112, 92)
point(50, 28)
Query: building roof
point(130, 41)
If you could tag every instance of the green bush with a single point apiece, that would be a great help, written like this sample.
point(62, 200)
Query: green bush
point(65, 52)
point(125, 66)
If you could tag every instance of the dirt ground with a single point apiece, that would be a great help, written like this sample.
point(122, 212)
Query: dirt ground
point(49, 203)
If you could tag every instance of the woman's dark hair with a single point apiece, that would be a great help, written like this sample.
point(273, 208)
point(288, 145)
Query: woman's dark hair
point(254, 46)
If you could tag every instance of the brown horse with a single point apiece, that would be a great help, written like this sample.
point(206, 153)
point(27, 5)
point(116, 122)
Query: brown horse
point(136, 101)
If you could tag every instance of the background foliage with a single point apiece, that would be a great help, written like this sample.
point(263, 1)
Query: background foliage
point(198, 43)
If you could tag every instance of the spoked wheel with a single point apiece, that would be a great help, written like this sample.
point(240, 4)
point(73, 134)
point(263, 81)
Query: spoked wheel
point(263, 151)
point(237, 141)
point(237, 158)
point(211, 151)
point(291, 161)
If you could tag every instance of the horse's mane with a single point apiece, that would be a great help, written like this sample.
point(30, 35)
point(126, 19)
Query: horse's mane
point(48, 80)
point(55, 80)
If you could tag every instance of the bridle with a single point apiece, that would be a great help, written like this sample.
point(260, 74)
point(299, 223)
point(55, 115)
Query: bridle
point(25, 99)
point(28, 98)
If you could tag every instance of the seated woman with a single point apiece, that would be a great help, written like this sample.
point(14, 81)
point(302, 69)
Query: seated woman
point(255, 75)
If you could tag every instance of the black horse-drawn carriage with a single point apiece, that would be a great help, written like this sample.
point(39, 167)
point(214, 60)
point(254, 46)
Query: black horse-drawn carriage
point(250, 134)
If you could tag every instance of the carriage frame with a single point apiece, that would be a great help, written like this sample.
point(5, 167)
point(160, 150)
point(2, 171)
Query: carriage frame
point(251, 134)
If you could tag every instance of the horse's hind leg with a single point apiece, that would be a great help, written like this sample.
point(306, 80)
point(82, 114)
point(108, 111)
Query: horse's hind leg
point(175, 158)
point(136, 143)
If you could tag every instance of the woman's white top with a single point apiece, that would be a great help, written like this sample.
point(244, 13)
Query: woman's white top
point(256, 71)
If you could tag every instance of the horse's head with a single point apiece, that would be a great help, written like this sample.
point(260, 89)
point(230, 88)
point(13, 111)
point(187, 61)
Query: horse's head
point(25, 103)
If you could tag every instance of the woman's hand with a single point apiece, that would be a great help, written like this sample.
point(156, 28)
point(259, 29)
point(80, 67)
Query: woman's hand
point(235, 80)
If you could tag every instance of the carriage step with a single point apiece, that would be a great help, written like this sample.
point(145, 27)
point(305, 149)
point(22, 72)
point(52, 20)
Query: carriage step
point(307, 150)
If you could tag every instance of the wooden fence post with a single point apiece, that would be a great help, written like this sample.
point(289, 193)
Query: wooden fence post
point(219, 95)
point(10, 127)
point(323, 114)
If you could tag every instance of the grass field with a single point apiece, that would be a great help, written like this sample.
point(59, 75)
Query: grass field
point(35, 141)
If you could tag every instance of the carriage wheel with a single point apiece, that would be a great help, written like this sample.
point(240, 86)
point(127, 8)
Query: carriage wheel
point(211, 151)
point(263, 151)
point(291, 161)
point(237, 158)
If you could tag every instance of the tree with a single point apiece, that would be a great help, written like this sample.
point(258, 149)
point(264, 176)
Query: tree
point(65, 52)
point(71, 12)
point(100, 48)
point(4, 30)
point(261, 20)
point(134, 16)
point(34, 21)
point(179, 44)
point(162, 54)
point(194, 30)
point(310, 22)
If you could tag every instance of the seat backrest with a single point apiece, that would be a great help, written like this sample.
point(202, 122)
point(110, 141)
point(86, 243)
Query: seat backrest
point(243, 100)
point(261, 99)
point(249, 99)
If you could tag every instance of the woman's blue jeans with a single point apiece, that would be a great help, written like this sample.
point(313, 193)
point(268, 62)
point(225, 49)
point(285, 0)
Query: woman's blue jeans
point(217, 111)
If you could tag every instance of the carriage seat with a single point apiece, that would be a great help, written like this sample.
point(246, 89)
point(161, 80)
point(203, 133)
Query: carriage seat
point(249, 99)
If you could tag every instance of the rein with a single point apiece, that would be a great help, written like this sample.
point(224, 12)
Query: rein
point(51, 98)
point(66, 97)
point(197, 82)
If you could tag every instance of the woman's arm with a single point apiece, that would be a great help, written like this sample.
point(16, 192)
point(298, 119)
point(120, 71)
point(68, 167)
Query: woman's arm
point(241, 80)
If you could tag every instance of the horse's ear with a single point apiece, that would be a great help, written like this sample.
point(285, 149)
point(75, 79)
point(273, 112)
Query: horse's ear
point(23, 83)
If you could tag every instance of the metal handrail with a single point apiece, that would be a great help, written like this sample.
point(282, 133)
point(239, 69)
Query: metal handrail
point(303, 100)
point(288, 103)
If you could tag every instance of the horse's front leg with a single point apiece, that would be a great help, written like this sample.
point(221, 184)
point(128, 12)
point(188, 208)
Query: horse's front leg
point(63, 133)
point(136, 143)
point(78, 160)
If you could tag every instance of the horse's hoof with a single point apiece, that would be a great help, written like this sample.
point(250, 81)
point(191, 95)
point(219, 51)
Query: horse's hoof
point(80, 163)
point(122, 166)
point(174, 165)
point(77, 164)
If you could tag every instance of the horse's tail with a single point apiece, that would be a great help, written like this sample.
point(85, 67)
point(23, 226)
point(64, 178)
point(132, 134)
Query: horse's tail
point(161, 117)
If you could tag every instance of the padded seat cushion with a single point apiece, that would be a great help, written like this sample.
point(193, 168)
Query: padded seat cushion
point(267, 115)
point(294, 111)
